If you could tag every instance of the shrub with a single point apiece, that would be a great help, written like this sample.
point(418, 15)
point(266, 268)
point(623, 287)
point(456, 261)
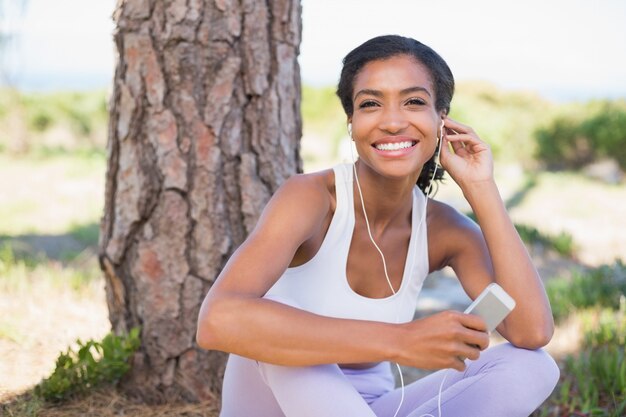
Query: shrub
point(593, 382)
point(93, 364)
point(563, 243)
point(603, 286)
point(573, 139)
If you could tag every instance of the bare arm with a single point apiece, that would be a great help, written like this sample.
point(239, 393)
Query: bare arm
point(497, 254)
point(235, 318)
point(530, 325)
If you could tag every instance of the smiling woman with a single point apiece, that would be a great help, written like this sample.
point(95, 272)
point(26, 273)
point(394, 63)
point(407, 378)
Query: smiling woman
point(320, 298)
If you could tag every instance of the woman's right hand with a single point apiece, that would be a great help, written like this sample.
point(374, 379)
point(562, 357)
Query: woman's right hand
point(443, 340)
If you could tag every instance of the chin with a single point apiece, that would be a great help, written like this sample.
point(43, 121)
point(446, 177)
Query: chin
point(397, 170)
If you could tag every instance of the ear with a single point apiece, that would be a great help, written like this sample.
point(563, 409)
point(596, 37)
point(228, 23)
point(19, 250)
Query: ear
point(442, 114)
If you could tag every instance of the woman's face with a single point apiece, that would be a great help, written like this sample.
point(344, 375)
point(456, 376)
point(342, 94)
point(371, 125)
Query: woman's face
point(395, 123)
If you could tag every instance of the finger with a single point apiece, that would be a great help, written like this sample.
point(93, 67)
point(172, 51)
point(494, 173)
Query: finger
point(445, 149)
point(458, 363)
point(472, 148)
point(458, 148)
point(472, 321)
point(478, 340)
point(469, 352)
point(466, 139)
point(462, 137)
point(454, 125)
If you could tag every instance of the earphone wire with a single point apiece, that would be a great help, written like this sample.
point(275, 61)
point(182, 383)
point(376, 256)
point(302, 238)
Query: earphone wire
point(369, 232)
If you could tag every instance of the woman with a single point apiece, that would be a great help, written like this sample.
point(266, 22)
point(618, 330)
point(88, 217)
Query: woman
point(312, 314)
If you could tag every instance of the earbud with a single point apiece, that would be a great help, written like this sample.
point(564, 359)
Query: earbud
point(350, 130)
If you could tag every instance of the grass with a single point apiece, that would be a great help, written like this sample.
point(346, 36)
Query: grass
point(593, 380)
point(21, 274)
point(53, 194)
point(67, 120)
point(603, 286)
point(87, 234)
point(562, 243)
point(106, 402)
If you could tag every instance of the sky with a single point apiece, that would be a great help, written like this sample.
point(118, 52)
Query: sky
point(563, 49)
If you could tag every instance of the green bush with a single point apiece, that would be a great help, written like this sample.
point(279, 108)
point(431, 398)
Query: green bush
point(605, 327)
point(81, 119)
point(584, 134)
point(40, 119)
point(563, 243)
point(593, 382)
point(93, 364)
point(603, 286)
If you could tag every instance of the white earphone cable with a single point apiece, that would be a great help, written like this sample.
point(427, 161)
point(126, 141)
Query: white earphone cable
point(427, 192)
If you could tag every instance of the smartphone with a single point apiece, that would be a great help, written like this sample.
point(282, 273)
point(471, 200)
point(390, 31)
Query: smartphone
point(493, 305)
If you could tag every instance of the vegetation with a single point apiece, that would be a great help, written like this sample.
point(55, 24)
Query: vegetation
point(92, 365)
point(562, 243)
point(52, 122)
point(584, 133)
point(504, 119)
point(24, 271)
point(593, 381)
point(604, 286)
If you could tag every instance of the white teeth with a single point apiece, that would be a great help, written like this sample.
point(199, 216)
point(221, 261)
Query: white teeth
point(394, 146)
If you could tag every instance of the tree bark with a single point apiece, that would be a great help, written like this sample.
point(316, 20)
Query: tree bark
point(204, 126)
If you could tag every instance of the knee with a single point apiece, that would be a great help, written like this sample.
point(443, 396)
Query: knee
point(535, 370)
point(274, 375)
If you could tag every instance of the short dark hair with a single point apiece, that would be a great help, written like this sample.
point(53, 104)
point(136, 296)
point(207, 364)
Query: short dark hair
point(388, 46)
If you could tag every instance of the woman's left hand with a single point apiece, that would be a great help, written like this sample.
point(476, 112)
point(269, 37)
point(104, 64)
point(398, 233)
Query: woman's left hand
point(471, 162)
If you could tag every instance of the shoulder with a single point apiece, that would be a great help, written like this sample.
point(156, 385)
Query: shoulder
point(443, 216)
point(300, 204)
point(314, 184)
point(450, 233)
point(306, 190)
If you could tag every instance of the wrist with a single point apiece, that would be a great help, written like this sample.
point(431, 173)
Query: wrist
point(392, 342)
point(480, 192)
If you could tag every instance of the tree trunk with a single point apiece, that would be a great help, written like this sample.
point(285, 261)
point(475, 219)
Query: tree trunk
point(204, 126)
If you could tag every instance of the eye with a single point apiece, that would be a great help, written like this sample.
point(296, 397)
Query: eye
point(367, 103)
point(416, 102)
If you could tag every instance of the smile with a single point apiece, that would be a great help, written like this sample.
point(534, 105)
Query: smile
point(394, 146)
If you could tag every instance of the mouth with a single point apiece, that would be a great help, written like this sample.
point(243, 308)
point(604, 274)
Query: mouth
point(394, 146)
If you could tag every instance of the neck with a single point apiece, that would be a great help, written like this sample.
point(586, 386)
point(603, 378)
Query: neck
point(387, 200)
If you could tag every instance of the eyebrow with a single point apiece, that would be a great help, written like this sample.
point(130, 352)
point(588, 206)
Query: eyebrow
point(378, 93)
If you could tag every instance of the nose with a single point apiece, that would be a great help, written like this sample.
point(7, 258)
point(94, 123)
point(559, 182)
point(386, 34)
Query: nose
point(393, 121)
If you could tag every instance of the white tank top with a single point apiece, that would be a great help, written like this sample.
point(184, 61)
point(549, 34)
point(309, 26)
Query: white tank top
point(320, 285)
